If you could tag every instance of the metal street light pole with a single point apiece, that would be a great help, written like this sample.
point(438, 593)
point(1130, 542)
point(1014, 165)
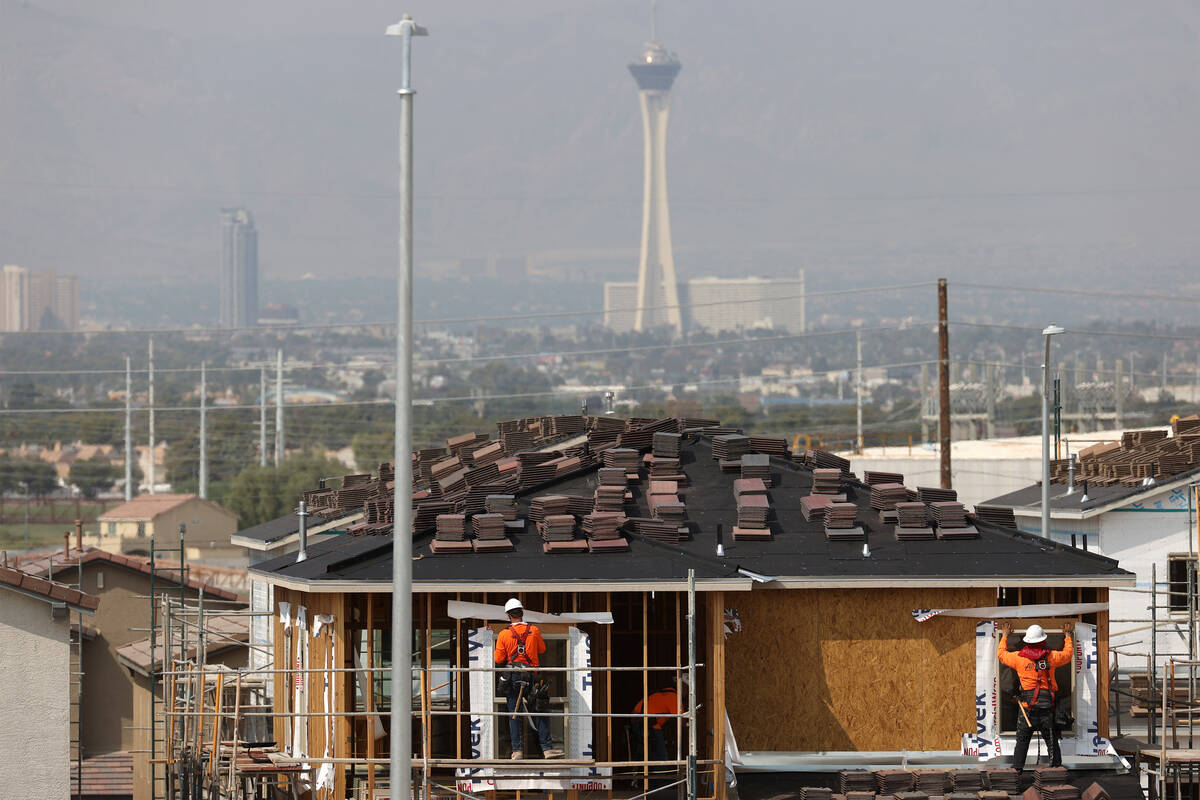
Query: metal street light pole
point(400, 757)
point(1050, 330)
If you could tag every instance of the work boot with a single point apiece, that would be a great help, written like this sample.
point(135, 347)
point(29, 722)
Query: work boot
point(552, 753)
point(517, 754)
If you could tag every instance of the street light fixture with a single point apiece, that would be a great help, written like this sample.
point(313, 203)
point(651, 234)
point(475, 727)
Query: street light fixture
point(1050, 330)
point(400, 756)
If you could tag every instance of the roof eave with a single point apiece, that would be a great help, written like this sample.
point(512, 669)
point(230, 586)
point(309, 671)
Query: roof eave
point(438, 587)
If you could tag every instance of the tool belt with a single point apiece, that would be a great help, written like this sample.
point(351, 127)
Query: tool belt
point(510, 681)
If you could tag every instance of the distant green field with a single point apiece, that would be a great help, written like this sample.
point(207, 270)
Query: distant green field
point(12, 535)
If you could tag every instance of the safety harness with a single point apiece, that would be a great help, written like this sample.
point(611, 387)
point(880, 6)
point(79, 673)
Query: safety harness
point(1041, 662)
point(520, 637)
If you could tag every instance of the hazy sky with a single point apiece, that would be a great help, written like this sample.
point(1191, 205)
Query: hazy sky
point(903, 138)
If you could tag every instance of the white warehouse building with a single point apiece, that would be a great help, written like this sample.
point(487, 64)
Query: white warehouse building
point(719, 304)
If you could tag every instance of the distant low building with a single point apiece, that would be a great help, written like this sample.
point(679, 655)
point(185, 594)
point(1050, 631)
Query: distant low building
point(129, 527)
point(278, 314)
point(718, 304)
point(38, 301)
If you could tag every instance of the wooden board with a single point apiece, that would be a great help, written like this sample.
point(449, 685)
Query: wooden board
point(851, 670)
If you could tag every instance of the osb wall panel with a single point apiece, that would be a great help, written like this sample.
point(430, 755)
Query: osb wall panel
point(851, 670)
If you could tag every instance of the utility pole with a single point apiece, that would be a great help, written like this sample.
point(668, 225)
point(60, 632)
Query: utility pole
point(1119, 391)
point(924, 400)
point(944, 384)
point(400, 755)
point(278, 407)
point(150, 401)
point(989, 386)
point(858, 388)
point(128, 431)
point(203, 430)
point(262, 416)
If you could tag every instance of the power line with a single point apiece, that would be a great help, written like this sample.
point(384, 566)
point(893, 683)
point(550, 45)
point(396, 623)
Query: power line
point(1180, 298)
point(1128, 335)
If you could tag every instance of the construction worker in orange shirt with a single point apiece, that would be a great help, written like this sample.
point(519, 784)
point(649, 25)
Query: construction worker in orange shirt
point(664, 701)
point(518, 647)
point(1035, 665)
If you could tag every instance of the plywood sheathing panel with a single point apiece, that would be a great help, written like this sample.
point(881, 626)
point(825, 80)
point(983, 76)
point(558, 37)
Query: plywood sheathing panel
point(851, 670)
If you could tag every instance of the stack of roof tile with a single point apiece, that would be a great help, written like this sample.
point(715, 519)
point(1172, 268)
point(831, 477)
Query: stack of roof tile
point(816, 793)
point(623, 458)
point(967, 780)
point(996, 515)
point(451, 534)
point(890, 781)
point(489, 534)
point(1096, 792)
point(426, 512)
point(931, 494)
point(752, 511)
point(993, 794)
point(480, 475)
point(612, 476)
point(537, 472)
point(931, 781)
point(861, 794)
point(456, 444)
point(826, 460)
point(770, 446)
point(813, 507)
point(503, 504)
point(453, 485)
point(827, 481)
point(911, 524)
point(557, 528)
point(488, 453)
point(664, 487)
point(1003, 780)
point(547, 505)
point(856, 780)
point(603, 531)
point(579, 506)
point(840, 524)
point(962, 796)
point(756, 465)
point(1058, 791)
point(913, 795)
point(610, 498)
point(696, 423)
point(668, 508)
point(730, 447)
point(516, 441)
point(656, 529)
point(872, 477)
point(1049, 776)
point(636, 439)
point(666, 444)
point(665, 467)
point(749, 486)
point(884, 496)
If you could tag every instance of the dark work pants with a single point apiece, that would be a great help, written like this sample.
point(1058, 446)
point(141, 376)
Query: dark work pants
point(517, 722)
point(1041, 720)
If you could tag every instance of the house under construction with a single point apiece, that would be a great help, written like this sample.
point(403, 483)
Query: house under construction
point(830, 622)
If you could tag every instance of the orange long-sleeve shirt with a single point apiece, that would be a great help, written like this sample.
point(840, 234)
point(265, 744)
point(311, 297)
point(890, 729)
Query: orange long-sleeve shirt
point(508, 643)
point(661, 702)
point(1031, 678)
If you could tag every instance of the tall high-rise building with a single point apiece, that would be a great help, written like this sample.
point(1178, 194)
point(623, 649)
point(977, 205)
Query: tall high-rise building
point(657, 290)
point(239, 269)
point(14, 298)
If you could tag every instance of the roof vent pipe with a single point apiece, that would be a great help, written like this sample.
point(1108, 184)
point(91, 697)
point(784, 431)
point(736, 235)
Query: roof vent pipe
point(720, 546)
point(1084, 499)
point(303, 514)
point(1071, 475)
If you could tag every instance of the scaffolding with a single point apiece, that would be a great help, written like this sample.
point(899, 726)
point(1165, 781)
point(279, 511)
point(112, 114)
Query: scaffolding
point(225, 734)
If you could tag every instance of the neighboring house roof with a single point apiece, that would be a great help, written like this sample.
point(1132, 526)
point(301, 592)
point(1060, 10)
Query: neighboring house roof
point(108, 775)
point(798, 554)
point(285, 530)
point(49, 591)
point(221, 632)
point(148, 506)
point(1028, 500)
point(55, 562)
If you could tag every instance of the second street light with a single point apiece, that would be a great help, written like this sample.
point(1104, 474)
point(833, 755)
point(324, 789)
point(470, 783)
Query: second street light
point(1051, 330)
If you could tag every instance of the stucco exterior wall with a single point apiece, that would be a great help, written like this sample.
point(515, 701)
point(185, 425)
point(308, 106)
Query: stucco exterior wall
point(35, 739)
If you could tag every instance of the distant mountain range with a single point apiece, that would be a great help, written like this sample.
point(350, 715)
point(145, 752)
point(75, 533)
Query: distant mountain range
point(860, 140)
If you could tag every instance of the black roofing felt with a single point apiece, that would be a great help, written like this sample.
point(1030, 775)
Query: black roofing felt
point(272, 530)
point(798, 549)
point(1098, 496)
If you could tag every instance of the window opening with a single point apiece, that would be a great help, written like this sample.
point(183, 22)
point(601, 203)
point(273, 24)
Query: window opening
point(1177, 577)
point(1010, 686)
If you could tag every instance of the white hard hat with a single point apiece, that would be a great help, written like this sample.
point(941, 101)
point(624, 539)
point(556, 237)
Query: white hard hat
point(515, 605)
point(1035, 634)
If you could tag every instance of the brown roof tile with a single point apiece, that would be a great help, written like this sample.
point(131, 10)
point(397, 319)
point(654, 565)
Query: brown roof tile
point(48, 589)
point(43, 565)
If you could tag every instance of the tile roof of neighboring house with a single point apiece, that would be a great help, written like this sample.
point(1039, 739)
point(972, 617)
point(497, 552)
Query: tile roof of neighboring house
point(281, 531)
point(221, 632)
point(52, 591)
point(108, 775)
point(146, 507)
point(42, 565)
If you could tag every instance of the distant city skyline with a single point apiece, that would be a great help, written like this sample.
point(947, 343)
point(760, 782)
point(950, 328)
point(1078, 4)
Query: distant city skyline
point(38, 301)
point(239, 269)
